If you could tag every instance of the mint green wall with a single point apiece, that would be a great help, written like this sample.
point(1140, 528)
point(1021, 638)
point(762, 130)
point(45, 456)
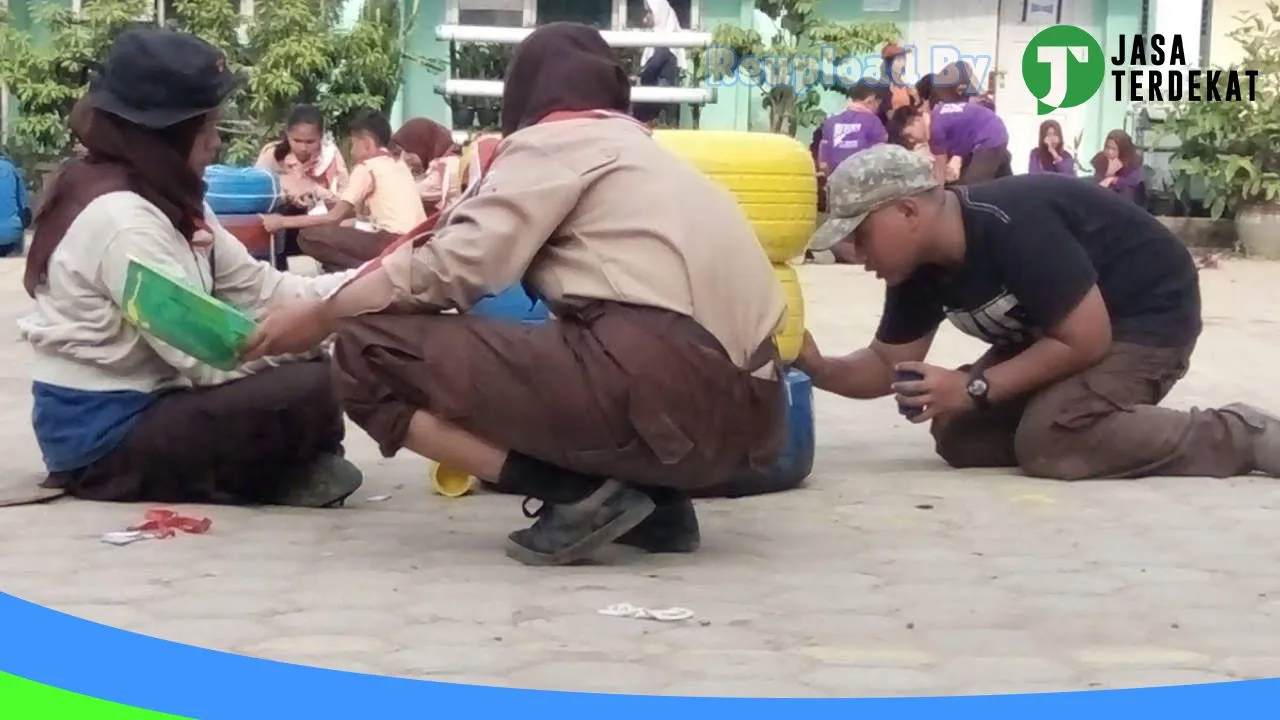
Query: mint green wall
point(732, 108)
point(418, 97)
point(1113, 18)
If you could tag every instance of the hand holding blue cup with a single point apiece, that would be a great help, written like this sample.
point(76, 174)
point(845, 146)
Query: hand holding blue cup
point(900, 376)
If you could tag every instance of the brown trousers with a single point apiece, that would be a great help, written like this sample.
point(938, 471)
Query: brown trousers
point(986, 165)
point(1102, 423)
point(341, 248)
point(638, 394)
point(237, 443)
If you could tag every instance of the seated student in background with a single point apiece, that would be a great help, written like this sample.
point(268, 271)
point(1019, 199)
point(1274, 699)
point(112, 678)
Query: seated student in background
point(428, 149)
point(1049, 156)
point(309, 164)
point(15, 212)
point(381, 185)
point(970, 141)
point(477, 155)
point(310, 167)
point(118, 414)
point(1119, 167)
point(855, 129)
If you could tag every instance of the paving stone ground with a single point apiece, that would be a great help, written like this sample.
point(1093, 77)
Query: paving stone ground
point(887, 575)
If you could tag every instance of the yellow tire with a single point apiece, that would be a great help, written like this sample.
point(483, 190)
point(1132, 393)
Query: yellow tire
point(771, 175)
point(792, 333)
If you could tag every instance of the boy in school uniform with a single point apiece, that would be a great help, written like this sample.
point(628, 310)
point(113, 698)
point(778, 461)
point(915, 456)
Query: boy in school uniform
point(381, 189)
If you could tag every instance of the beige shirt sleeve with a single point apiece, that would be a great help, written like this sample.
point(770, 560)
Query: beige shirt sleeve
point(340, 174)
point(490, 238)
point(267, 159)
point(359, 186)
point(154, 244)
point(253, 285)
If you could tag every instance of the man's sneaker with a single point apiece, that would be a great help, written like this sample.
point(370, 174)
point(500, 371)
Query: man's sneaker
point(327, 483)
point(563, 534)
point(1265, 433)
point(672, 528)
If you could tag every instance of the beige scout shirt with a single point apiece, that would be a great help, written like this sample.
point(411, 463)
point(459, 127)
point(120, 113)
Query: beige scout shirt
point(596, 210)
point(384, 188)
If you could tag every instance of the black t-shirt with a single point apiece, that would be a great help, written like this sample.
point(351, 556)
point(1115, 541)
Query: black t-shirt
point(1035, 245)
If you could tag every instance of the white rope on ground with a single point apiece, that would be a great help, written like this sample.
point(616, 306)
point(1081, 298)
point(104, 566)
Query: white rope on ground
point(626, 610)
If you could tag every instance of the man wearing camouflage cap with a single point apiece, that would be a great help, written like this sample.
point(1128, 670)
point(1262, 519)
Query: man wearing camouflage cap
point(1090, 305)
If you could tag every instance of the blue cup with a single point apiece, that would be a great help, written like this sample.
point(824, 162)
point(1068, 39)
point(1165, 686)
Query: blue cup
point(907, 411)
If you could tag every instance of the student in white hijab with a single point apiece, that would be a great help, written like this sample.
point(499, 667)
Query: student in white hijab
point(660, 66)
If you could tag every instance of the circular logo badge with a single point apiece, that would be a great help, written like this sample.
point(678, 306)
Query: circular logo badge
point(1063, 67)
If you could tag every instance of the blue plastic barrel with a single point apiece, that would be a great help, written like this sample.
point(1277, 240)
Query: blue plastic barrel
point(241, 190)
point(794, 462)
point(512, 304)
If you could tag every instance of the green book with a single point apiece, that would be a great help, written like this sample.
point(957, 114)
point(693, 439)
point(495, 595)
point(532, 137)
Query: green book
point(185, 317)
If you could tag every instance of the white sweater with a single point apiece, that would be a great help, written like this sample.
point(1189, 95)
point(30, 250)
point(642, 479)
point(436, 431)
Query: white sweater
point(80, 336)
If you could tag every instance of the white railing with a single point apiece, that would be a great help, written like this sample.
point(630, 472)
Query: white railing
point(615, 38)
point(640, 94)
point(464, 87)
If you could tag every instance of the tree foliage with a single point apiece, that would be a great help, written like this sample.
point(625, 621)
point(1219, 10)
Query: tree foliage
point(1234, 147)
point(805, 58)
point(290, 51)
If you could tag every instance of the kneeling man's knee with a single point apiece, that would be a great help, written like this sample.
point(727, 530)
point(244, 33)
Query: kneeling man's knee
point(1052, 453)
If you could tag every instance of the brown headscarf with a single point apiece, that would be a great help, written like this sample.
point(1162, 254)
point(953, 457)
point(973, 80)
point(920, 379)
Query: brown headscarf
point(562, 66)
point(425, 138)
point(121, 156)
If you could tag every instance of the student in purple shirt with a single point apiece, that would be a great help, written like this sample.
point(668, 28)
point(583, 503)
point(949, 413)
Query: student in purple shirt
point(969, 139)
point(850, 132)
point(1119, 167)
point(1048, 157)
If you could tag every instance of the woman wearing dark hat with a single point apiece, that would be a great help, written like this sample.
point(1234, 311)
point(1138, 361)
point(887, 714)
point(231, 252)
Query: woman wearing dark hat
point(660, 374)
point(118, 414)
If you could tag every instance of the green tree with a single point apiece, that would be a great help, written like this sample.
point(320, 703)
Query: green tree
point(291, 51)
point(1234, 147)
point(807, 57)
point(47, 78)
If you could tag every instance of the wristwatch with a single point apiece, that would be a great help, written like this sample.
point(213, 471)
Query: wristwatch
point(977, 389)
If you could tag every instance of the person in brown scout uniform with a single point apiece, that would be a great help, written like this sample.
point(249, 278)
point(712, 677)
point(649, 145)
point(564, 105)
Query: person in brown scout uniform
point(660, 373)
point(1091, 306)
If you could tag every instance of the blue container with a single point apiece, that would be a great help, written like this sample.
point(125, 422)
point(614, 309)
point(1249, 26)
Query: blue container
point(794, 463)
point(512, 304)
point(241, 190)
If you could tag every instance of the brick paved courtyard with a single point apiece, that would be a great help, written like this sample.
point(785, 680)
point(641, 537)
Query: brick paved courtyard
point(887, 575)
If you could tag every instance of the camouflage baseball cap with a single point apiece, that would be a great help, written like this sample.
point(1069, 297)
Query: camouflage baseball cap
point(874, 178)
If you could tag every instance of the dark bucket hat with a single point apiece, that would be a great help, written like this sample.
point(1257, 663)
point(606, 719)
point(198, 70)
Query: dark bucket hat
point(158, 78)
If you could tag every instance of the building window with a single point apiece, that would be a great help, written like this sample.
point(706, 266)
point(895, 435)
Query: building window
point(492, 13)
point(1144, 21)
point(637, 9)
point(597, 13)
point(603, 14)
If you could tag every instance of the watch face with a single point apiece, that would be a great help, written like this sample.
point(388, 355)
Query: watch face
point(977, 387)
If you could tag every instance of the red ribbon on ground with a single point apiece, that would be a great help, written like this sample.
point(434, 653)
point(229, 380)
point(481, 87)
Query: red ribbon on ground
point(166, 523)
